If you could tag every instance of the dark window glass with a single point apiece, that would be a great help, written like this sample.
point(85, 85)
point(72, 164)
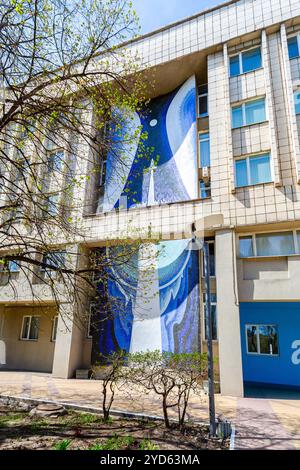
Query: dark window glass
point(252, 339)
point(293, 47)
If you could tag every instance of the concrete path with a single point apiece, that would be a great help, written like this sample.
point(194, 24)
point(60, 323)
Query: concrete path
point(261, 423)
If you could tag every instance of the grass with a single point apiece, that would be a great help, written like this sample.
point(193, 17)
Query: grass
point(10, 418)
point(114, 443)
point(146, 444)
point(62, 445)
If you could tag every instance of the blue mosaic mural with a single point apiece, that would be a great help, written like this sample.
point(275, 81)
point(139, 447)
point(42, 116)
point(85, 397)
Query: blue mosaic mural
point(168, 173)
point(156, 302)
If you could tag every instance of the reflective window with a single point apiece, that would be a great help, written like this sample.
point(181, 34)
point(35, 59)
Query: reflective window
point(54, 260)
point(205, 191)
point(244, 62)
point(213, 305)
point(235, 65)
point(297, 101)
point(203, 100)
point(262, 339)
point(52, 206)
point(272, 244)
point(55, 161)
point(252, 112)
point(30, 328)
point(253, 170)
point(251, 60)
point(204, 149)
point(294, 47)
point(246, 246)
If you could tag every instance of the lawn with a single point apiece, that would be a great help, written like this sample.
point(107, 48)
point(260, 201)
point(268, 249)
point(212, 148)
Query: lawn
point(83, 431)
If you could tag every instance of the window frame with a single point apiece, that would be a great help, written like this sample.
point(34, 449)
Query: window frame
point(297, 35)
point(240, 56)
point(210, 242)
point(54, 328)
point(202, 95)
point(212, 303)
point(254, 246)
point(202, 133)
point(243, 105)
point(296, 92)
point(247, 158)
point(51, 273)
point(22, 326)
point(53, 169)
point(258, 353)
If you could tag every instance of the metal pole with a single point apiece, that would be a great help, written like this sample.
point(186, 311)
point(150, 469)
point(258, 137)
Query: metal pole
point(210, 361)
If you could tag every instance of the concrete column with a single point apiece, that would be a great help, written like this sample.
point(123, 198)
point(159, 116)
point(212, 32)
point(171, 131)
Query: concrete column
point(68, 345)
point(230, 356)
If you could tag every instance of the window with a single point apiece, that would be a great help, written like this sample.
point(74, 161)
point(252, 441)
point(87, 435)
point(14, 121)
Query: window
point(52, 204)
point(54, 328)
point(55, 161)
point(203, 100)
point(30, 328)
point(252, 112)
point(294, 46)
point(262, 339)
point(205, 190)
point(9, 267)
point(55, 259)
point(253, 170)
point(297, 101)
point(281, 243)
point(204, 149)
point(213, 305)
point(246, 247)
point(212, 267)
point(244, 62)
point(270, 244)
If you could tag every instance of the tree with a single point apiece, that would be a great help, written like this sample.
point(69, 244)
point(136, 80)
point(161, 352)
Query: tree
point(173, 377)
point(62, 75)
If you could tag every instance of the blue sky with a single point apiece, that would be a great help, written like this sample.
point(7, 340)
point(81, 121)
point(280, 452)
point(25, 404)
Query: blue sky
point(156, 13)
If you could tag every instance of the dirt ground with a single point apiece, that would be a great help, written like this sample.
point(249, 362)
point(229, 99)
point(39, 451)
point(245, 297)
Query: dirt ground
point(82, 431)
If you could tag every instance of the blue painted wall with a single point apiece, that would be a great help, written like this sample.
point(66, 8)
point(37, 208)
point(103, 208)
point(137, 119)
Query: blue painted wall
point(283, 369)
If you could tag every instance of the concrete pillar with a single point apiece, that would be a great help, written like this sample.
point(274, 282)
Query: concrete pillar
point(68, 345)
point(230, 356)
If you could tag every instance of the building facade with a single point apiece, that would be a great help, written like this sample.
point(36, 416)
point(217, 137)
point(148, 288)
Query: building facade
point(225, 125)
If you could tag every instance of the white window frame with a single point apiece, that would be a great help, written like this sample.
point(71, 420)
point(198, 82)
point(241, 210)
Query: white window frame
point(203, 324)
point(298, 41)
point(202, 95)
point(247, 158)
point(55, 152)
point(255, 255)
point(50, 273)
point(199, 144)
point(296, 91)
point(243, 106)
point(240, 55)
point(258, 353)
point(54, 328)
point(23, 320)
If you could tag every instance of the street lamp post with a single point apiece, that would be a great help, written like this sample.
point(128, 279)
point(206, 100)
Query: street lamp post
point(210, 360)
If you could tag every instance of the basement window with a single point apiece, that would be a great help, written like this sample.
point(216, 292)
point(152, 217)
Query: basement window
point(30, 328)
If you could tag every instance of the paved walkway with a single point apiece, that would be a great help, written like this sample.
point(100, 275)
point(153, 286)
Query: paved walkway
point(261, 423)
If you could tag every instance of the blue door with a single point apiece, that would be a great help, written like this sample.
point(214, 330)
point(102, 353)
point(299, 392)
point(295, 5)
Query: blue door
point(270, 336)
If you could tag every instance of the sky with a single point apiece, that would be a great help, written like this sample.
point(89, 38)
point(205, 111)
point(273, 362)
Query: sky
point(154, 14)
